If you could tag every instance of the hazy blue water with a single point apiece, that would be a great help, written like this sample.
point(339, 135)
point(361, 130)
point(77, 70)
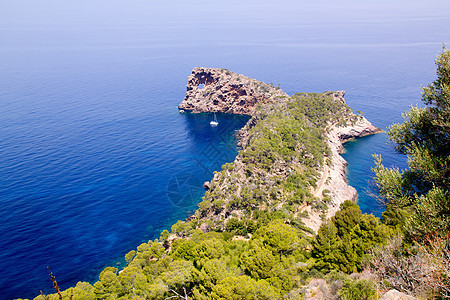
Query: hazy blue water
point(94, 157)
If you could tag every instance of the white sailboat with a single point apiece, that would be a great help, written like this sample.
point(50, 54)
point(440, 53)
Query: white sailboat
point(214, 122)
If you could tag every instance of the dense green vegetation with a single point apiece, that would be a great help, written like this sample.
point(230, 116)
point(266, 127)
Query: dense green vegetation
point(248, 241)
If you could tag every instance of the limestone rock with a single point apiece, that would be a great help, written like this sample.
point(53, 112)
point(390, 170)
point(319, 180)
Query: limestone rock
point(361, 128)
point(207, 185)
point(396, 295)
point(219, 90)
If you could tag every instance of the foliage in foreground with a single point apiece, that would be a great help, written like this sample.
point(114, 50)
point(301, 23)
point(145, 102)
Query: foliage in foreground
point(421, 269)
point(342, 242)
point(418, 198)
point(275, 261)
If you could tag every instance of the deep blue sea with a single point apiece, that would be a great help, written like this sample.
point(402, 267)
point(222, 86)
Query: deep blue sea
point(94, 156)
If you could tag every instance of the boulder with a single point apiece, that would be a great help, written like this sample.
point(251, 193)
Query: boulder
point(396, 295)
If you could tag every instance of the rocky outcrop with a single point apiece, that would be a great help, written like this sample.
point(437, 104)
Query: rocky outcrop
point(396, 295)
point(333, 176)
point(219, 90)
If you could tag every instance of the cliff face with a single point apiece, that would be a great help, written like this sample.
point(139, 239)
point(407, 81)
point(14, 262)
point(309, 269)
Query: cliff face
point(219, 90)
point(290, 162)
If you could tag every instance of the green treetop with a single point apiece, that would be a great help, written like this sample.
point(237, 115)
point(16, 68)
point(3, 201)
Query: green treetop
point(418, 198)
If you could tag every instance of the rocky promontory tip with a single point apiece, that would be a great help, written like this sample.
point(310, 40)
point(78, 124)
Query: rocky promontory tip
point(220, 90)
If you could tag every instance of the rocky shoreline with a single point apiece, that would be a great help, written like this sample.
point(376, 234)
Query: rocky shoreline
point(219, 90)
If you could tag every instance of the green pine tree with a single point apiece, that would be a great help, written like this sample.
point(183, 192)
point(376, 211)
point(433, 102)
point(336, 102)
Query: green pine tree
point(418, 198)
point(325, 246)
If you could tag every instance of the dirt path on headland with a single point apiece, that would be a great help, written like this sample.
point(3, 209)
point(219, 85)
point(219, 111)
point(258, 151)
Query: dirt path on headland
point(321, 184)
point(317, 192)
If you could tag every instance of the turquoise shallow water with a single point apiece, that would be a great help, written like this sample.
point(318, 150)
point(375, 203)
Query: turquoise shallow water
point(94, 156)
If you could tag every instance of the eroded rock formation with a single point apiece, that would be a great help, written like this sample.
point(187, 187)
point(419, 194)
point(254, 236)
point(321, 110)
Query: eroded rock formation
point(219, 90)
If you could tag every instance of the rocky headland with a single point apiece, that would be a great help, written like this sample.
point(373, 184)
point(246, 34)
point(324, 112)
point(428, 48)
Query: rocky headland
point(223, 91)
point(258, 181)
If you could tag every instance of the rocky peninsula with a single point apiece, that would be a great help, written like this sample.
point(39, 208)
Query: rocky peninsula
point(323, 184)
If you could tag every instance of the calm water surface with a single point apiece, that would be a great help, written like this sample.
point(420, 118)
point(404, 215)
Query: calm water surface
point(94, 157)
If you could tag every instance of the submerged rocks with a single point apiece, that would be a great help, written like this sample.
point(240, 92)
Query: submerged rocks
point(219, 90)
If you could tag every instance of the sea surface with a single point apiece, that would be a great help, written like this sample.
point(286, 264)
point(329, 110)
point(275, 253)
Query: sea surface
point(94, 156)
